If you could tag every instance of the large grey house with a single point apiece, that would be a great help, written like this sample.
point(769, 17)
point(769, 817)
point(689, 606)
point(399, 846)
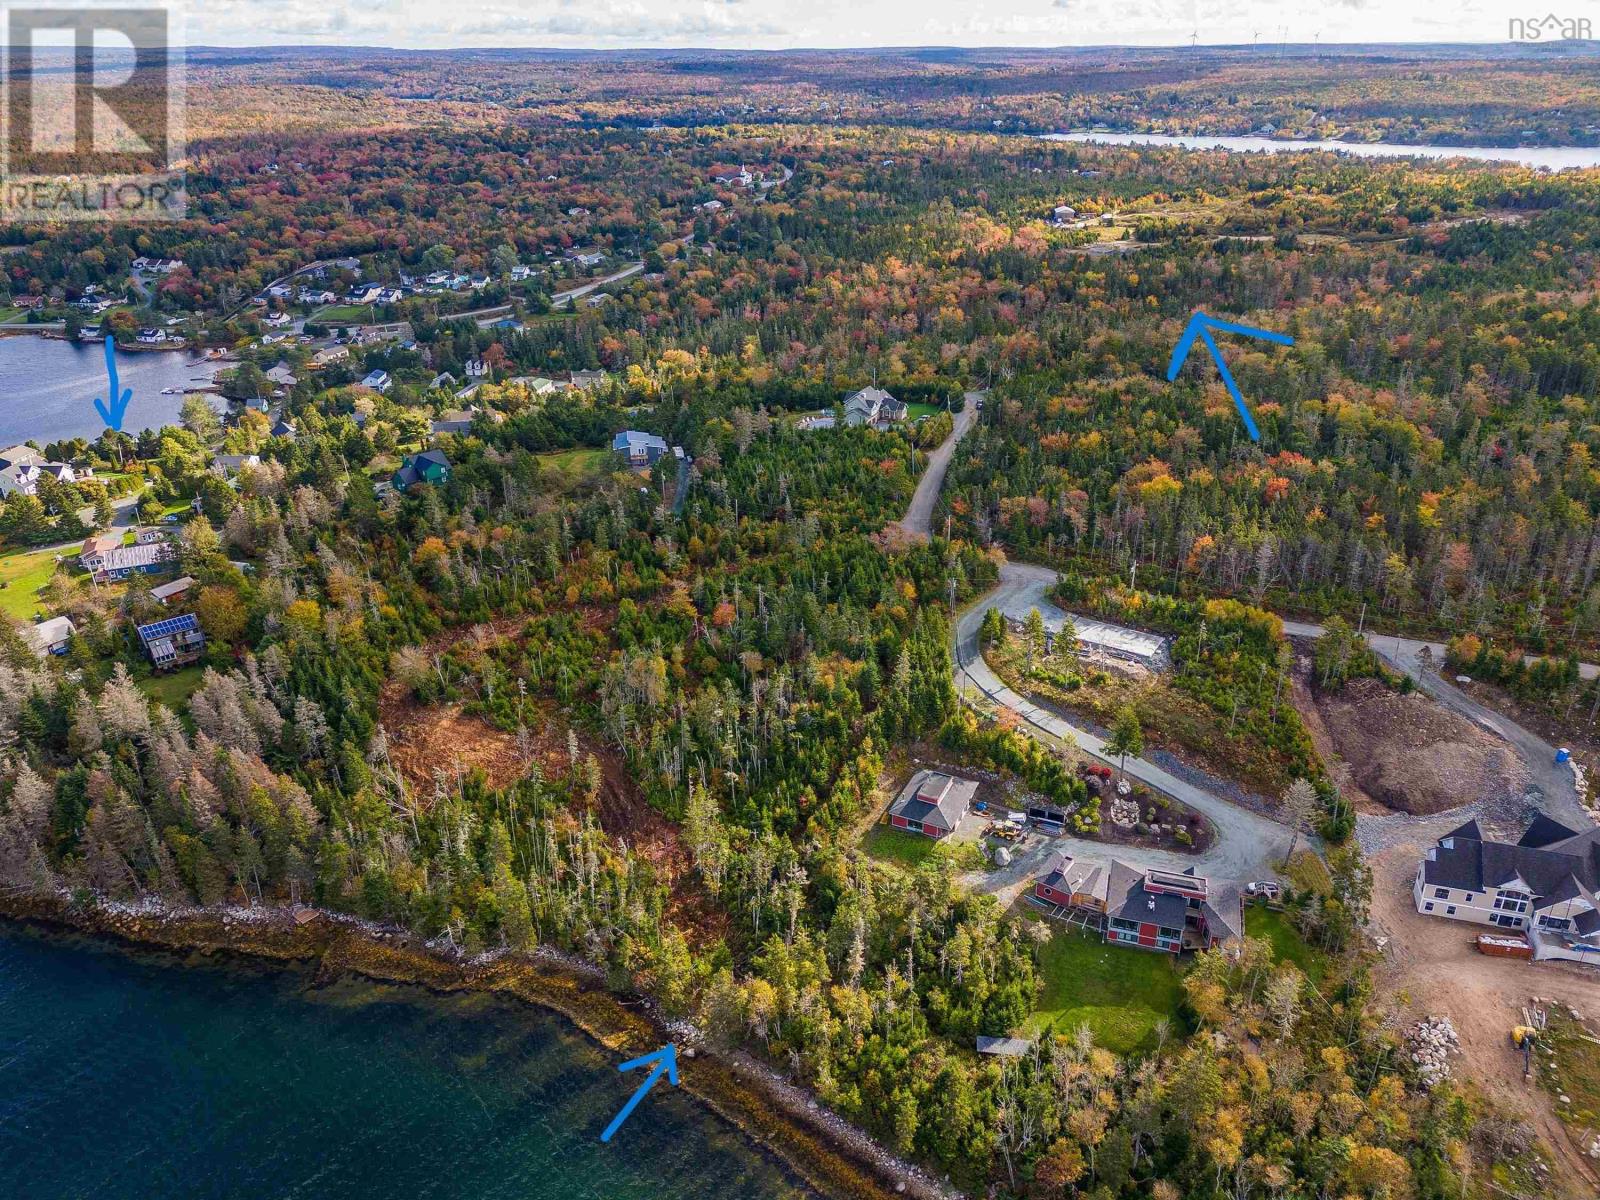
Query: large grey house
point(873, 406)
point(1544, 886)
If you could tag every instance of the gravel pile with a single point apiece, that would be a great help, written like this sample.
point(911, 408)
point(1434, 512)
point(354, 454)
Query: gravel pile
point(1430, 1042)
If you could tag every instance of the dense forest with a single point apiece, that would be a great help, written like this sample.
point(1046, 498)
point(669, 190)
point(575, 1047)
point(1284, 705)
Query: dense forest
point(698, 692)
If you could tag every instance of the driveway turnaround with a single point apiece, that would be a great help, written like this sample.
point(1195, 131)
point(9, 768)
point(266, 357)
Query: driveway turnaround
point(1247, 844)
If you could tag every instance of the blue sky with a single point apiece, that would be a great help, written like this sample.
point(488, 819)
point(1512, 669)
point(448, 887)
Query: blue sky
point(786, 24)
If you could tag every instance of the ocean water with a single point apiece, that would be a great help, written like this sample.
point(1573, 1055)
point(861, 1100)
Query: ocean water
point(130, 1075)
point(48, 387)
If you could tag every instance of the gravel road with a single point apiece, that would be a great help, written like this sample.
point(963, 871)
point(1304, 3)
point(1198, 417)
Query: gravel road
point(1247, 843)
point(919, 517)
point(1555, 784)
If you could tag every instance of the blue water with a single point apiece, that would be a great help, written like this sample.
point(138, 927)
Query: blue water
point(48, 388)
point(130, 1075)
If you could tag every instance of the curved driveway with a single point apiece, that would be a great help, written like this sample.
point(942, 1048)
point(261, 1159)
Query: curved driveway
point(1247, 844)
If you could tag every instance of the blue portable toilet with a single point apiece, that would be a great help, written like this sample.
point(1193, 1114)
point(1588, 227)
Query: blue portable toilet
point(1563, 755)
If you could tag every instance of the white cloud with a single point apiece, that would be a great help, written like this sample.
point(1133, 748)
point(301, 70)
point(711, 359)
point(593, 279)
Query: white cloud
point(784, 24)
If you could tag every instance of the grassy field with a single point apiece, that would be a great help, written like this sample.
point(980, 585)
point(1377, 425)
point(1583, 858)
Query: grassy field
point(174, 689)
point(576, 462)
point(918, 409)
point(888, 844)
point(1573, 1071)
point(333, 314)
point(1287, 945)
point(21, 576)
point(1118, 993)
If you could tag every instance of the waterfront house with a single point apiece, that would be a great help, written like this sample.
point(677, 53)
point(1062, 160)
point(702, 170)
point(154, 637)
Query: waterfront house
point(428, 467)
point(932, 803)
point(1546, 885)
point(50, 637)
point(152, 337)
point(1073, 883)
point(174, 642)
point(1150, 909)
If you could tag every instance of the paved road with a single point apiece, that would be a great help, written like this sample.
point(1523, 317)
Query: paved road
point(1247, 843)
point(919, 517)
point(1556, 784)
point(571, 294)
point(1023, 586)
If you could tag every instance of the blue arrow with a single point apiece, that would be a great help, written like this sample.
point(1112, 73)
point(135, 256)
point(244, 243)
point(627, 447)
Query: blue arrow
point(1200, 326)
point(118, 408)
point(665, 1060)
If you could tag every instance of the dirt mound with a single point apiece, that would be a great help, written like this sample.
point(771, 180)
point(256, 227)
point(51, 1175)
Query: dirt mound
point(1410, 754)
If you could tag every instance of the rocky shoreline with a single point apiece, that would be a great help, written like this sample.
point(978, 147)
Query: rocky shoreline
point(833, 1157)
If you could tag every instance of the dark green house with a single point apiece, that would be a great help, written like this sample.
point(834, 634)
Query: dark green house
point(428, 467)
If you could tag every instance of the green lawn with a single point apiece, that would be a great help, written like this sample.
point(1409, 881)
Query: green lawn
point(173, 689)
point(917, 409)
point(888, 844)
point(22, 575)
point(1287, 944)
point(1119, 993)
point(333, 314)
point(576, 462)
point(898, 846)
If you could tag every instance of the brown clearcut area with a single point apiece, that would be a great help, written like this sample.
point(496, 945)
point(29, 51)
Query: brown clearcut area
point(1406, 753)
point(445, 737)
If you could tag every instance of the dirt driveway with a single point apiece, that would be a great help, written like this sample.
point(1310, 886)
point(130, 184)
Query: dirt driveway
point(1435, 967)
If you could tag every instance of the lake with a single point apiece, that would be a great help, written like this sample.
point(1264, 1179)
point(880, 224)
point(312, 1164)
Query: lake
point(1556, 158)
point(48, 387)
point(125, 1076)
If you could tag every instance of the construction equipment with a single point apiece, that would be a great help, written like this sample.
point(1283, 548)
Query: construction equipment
point(1525, 1037)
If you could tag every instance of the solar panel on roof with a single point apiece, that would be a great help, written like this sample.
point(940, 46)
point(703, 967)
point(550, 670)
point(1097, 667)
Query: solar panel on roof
point(186, 623)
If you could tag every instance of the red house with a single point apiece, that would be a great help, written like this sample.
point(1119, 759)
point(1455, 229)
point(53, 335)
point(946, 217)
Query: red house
point(932, 804)
point(1152, 909)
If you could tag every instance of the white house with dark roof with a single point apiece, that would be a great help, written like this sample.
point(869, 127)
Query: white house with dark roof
point(1546, 885)
point(932, 803)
